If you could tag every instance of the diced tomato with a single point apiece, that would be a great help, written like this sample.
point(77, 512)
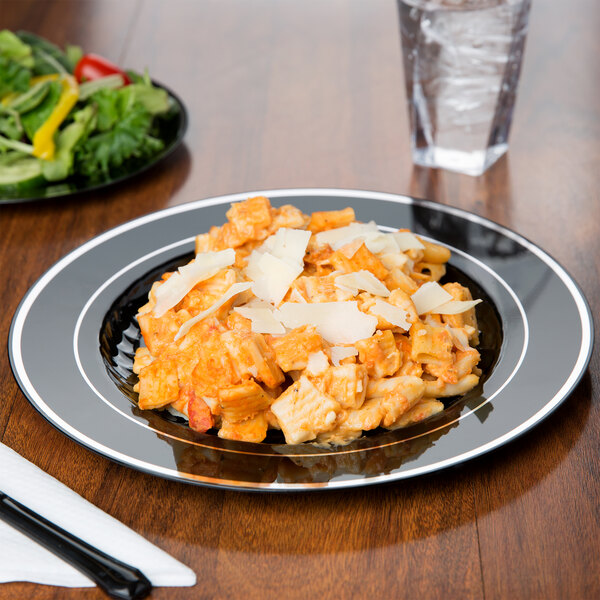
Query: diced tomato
point(198, 412)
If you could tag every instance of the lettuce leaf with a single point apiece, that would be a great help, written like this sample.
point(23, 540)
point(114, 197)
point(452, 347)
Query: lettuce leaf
point(66, 141)
point(13, 76)
point(103, 153)
point(35, 118)
point(10, 124)
point(48, 57)
point(12, 48)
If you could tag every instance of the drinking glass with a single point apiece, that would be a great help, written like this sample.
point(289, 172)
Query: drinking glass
point(462, 60)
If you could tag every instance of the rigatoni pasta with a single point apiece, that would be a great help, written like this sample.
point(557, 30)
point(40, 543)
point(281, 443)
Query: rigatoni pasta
point(319, 326)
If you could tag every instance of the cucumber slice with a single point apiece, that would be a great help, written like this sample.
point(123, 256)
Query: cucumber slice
point(23, 174)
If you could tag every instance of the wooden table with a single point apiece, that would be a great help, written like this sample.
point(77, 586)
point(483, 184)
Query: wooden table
point(310, 94)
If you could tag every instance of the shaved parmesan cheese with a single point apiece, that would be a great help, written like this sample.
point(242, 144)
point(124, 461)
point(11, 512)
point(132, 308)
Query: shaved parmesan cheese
point(258, 303)
point(263, 319)
point(288, 245)
point(235, 289)
point(276, 276)
point(374, 240)
point(395, 260)
point(459, 337)
point(204, 266)
point(317, 363)
point(429, 296)
point(339, 353)
point(392, 314)
point(361, 280)
point(407, 241)
point(336, 322)
point(350, 249)
point(381, 242)
point(455, 307)
point(252, 270)
point(341, 236)
point(274, 266)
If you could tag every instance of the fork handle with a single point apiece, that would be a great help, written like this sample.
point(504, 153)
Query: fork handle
point(116, 578)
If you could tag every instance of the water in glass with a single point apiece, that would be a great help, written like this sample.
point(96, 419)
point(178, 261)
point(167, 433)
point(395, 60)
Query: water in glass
point(462, 60)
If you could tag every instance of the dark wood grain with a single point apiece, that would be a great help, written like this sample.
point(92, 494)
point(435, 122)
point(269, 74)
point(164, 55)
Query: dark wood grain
point(303, 94)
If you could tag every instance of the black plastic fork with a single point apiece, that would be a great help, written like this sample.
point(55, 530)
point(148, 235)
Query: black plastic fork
point(116, 578)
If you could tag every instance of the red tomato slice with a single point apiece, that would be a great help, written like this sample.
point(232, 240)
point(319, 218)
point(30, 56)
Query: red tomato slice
point(92, 66)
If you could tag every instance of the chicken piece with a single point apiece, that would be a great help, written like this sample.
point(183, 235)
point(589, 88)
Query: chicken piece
point(243, 401)
point(379, 354)
point(332, 219)
point(293, 349)
point(158, 385)
point(252, 357)
point(303, 412)
point(250, 430)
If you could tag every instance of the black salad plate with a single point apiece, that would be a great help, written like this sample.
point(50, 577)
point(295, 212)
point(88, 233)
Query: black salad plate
point(169, 127)
point(87, 301)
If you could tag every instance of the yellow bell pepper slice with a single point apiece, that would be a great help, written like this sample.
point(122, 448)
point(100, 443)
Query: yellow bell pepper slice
point(43, 139)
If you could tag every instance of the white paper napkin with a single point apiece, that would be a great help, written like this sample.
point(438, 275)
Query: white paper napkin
point(22, 559)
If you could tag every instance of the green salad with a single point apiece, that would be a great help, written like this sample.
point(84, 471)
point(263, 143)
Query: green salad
point(66, 115)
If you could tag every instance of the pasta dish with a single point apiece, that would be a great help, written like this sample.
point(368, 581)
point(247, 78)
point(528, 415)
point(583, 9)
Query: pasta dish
point(319, 326)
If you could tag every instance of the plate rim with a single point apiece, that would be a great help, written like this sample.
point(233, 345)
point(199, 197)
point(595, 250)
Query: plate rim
point(583, 358)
